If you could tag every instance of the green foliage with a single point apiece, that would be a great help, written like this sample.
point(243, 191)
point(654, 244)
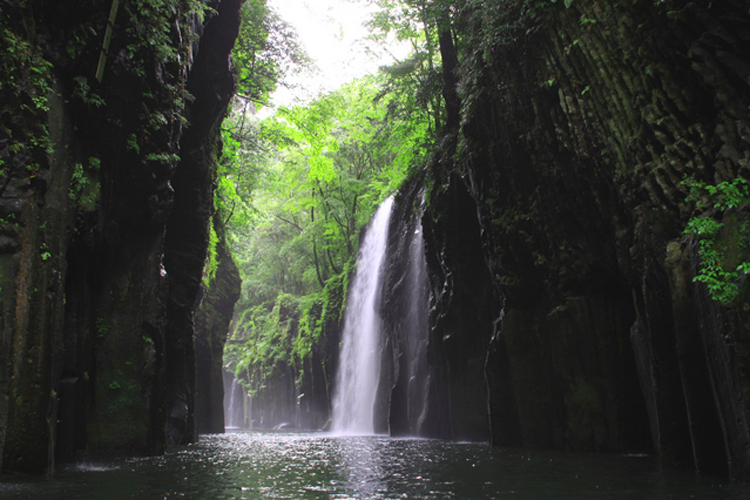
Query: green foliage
point(24, 68)
point(266, 331)
point(266, 51)
point(24, 89)
point(212, 259)
point(417, 82)
point(703, 227)
point(243, 157)
point(102, 328)
point(326, 166)
point(85, 186)
point(309, 328)
point(158, 38)
point(272, 336)
point(150, 24)
point(296, 188)
point(723, 246)
point(83, 91)
point(728, 195)
point(45, 254)
point(334, 297)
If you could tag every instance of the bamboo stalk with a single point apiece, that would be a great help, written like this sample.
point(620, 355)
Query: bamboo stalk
point(107, 39)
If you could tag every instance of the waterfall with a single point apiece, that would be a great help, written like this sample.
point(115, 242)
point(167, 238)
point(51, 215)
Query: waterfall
point(235, 402)
point(417, 331)
point(359, 360)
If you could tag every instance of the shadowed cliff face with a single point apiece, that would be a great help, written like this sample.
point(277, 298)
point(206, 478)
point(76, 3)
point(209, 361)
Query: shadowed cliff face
point(404, 311)
point(211, 82)
point(577, 130)
point(462, 311)
point(88, 346)
point(211, 327)
point(436, 325)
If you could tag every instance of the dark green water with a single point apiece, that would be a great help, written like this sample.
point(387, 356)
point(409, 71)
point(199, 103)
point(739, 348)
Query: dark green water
point(257, 465)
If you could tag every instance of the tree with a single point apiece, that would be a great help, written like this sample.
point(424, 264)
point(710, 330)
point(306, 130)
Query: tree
point(266, 52)
point(430, 70)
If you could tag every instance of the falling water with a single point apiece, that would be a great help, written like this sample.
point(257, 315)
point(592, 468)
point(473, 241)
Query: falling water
point(235, 411)
point(359, 361)
point(417, 325)
point(413, 406)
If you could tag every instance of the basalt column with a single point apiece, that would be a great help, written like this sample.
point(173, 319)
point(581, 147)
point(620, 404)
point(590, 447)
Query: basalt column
point(584, 128)
point(405, 314)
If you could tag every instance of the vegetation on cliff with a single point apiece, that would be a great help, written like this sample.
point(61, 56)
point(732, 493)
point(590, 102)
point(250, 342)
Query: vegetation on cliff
point(326, 167)
point(591, 135)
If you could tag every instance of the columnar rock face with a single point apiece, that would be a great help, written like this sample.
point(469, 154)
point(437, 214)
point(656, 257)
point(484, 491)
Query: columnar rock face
point(404, 312)
point(88, 163)
point(211, 328)
point(35, 214)
point(436, 325)
point(211, 82)
point(556, 228)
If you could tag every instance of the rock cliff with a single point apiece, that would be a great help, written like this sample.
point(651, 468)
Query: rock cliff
point(108, 138)
point(555, 227)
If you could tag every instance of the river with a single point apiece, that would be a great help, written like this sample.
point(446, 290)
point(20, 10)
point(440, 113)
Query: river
point(257, 465)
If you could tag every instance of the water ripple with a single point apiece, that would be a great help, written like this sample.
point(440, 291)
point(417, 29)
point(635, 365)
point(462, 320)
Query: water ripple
point(254, 465)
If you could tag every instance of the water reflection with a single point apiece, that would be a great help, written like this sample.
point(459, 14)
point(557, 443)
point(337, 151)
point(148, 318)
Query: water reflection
point(361, 466)
point(255, 465)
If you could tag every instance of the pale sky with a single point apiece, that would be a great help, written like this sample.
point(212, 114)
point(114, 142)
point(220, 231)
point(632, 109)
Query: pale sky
point(332, 33)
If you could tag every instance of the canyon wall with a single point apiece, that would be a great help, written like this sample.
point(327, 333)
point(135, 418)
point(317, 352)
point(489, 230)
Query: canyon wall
point(562, 310)
point(555, 227)
point(108, 142)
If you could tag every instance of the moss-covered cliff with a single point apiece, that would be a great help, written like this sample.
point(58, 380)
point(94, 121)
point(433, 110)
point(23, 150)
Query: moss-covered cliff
point(583, 126)
point(285, 355)
point(109, 127)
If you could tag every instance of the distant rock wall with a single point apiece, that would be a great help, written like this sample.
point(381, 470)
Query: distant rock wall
point(289, 387)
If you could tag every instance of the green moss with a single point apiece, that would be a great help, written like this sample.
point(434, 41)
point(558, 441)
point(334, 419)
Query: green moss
point(585, 421)
point(334, 296)
point(309, 328)
point(270, 337)
point(212, 258)
point(122, 412)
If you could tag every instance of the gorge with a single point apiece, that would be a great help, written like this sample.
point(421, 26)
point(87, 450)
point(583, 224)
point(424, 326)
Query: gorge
point(563, 265)
point(563, 308)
